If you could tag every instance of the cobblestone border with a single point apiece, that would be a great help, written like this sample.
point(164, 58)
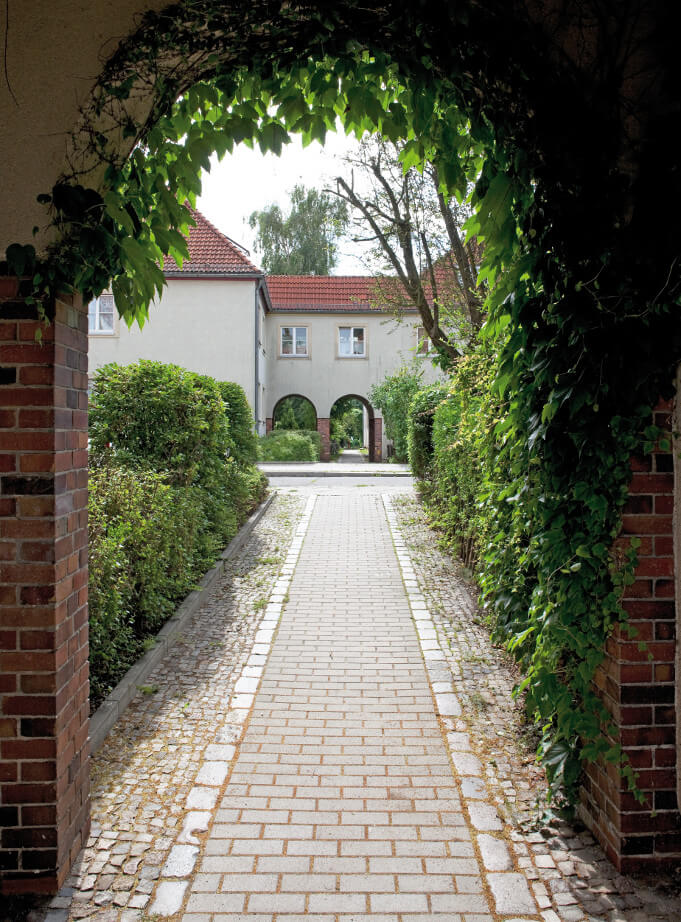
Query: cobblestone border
point(171, 888)
point(506, 883)
point(120, 697)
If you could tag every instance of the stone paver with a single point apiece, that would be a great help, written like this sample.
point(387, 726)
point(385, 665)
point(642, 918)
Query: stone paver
point(343, 753)
point(334, 741)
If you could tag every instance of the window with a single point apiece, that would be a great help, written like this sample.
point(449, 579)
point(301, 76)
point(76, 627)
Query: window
point(293, 341)
point(423, 343)
point(100, 314)
point(351, 342)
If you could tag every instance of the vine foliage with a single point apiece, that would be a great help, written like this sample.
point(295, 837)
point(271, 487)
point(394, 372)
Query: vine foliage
point(561, 126)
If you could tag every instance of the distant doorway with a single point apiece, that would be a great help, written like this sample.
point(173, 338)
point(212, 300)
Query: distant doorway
point(355, 433)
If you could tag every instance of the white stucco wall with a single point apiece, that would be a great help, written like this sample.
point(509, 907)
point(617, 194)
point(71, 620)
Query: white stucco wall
point(206, 325)
point(323, 376)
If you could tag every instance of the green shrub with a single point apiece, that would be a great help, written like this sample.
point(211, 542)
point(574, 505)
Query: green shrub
point(240, 418)
point(420, 428)
point(290, 445)
point(169, 487)
point(161, 417)
point(393, 396)
point(144, 554)
point(463, 470)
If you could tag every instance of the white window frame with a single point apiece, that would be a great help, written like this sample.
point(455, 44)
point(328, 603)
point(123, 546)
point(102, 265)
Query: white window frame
point(295, 328)
point(352, 354)
point(97, 330)
point(422, 338)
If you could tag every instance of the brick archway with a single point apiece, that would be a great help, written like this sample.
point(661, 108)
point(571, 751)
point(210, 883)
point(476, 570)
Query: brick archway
point(375, 435)
point(43, 717)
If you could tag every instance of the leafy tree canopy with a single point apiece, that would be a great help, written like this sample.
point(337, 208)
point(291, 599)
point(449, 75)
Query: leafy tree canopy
point(304, 241)
point(295, 413)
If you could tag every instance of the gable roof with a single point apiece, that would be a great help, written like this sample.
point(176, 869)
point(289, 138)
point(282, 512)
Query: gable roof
point(329, 294)
point(211, 253)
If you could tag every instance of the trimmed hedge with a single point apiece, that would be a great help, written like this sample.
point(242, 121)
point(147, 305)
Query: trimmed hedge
point(463, 468)
point(393, 396)
point(240, 418)
point(170, 484)
point(161, 417)
point(420, 428)
point(290, 445)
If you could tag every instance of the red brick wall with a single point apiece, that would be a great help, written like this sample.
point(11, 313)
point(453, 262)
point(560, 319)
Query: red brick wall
point(638, 685)
point(376, 435)
point(324, 430)
point(268, 424)
point(43, 593)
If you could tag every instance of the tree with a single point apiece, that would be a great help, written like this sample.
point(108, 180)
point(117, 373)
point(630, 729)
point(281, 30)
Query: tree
point(304, 241)
point(417, 231)
point(295, 413)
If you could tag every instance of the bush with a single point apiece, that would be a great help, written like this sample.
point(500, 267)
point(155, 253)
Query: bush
point(165, 498)
point(393, 396)
point(160, 417)
point(144, 555)
point(420, 428)
point(290, 445)
point(240, 418)
point(464, 464)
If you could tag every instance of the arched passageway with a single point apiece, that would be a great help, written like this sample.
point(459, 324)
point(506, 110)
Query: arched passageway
point(81, 134)
point(293, 412)
point(366, 431)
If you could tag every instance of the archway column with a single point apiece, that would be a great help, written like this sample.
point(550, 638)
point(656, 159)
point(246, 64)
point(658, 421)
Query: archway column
point(324, 430)
point(44, 753)
point(376, 439)
point(636, 683)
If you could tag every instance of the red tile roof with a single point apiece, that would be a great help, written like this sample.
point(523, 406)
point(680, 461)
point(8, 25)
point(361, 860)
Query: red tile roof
point(211, 253)
point(330, 293)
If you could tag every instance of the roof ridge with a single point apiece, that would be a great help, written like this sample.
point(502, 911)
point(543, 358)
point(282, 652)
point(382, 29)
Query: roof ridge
point(211, 251)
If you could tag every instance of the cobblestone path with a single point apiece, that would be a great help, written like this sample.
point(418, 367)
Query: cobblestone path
point(333, 741)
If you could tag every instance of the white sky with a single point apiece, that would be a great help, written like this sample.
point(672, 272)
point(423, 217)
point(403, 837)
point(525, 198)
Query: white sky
point(247, 181)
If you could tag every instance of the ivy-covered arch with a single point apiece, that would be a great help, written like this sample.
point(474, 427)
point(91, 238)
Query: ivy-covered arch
point(581, 306)
point(559, 113)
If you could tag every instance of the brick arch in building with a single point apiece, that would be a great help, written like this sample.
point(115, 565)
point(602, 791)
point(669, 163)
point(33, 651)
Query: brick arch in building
point(43, 398)
point(375, 426)
point(271, 420)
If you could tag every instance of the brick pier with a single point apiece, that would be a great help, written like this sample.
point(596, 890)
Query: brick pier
point(44, 706)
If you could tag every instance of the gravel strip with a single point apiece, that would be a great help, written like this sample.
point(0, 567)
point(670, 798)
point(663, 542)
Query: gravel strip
point(568, 872)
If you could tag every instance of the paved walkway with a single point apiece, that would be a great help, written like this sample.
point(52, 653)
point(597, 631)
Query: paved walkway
point(342, 798)
point(316, 749)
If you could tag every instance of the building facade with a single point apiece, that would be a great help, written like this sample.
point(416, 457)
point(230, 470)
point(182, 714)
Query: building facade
point(318, 337)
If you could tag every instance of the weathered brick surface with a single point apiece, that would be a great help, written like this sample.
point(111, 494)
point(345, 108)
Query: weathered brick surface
point(324, 430)
point(376, 440)
point(637, 683)
point(43, 592)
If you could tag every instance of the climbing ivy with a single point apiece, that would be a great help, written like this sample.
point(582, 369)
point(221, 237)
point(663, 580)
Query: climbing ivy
point(584, 291)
